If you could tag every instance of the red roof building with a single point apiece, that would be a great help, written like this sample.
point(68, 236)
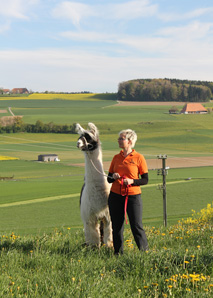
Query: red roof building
point(194, 108)
point(20, 91)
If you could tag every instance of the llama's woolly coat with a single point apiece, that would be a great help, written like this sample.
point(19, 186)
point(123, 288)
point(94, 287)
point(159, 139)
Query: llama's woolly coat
point(94, 195)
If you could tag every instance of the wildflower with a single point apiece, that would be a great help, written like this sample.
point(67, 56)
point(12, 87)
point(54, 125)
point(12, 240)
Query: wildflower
point(68, 228)
point(198, 246)
point(170, 286)
point(73, 279)
point(163, 234)
point(185, 276)
point(186, 262)
point(145, 287)
point(139, 290)
point(188, 290)
point(155, 284)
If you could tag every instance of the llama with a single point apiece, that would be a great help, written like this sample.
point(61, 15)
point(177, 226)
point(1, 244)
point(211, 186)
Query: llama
point(95, 191)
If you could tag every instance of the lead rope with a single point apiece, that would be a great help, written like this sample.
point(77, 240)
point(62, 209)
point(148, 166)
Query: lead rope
point(126, 194)
point(96, 168)
point(122, 183)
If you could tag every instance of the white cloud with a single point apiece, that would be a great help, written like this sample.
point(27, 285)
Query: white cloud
point(131, 10)
point(74, 11)
point(66, 70)
point(16, 8)
point(167, 17)
point(193, 30)
point(90, 36)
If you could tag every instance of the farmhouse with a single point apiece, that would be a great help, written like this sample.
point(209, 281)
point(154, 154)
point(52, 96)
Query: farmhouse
point(48, 157)
point(6, 91)
point(194, 108)
point(19, 91)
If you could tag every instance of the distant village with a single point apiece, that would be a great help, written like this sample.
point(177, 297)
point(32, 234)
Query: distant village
point(26, 91)
point(14, 91)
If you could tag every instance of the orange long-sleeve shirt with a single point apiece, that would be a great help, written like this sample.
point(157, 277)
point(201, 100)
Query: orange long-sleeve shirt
point(131, 167)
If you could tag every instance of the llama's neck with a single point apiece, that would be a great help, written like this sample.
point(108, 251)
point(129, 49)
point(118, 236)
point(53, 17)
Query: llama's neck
point(94, 165)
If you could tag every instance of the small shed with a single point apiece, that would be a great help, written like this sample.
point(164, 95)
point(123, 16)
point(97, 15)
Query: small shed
point(48, 157)
point(194, 108)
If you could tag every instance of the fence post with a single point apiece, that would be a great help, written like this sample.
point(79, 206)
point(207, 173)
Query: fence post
point(163, 172)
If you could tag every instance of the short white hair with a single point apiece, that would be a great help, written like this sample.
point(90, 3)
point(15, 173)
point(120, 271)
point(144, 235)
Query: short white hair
point(130, 135)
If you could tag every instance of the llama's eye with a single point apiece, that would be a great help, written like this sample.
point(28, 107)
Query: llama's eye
point(87, 137)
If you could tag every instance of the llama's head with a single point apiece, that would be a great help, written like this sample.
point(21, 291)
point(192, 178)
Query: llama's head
point(89, 138)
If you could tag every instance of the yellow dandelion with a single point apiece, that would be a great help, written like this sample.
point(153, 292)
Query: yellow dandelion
point(139, 290)
point(68, 228)
point(155, 284)
point(185, 276)
point(170, 286)
point(198, 246)
point(145, 287)
point(188, 290)
point(186, 262)
point(73, 279)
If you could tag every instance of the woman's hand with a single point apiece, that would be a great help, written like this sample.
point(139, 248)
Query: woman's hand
point(128, 181)
point(116, 176)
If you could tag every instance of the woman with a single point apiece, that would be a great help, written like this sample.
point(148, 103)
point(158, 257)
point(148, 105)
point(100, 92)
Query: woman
point(124, 174)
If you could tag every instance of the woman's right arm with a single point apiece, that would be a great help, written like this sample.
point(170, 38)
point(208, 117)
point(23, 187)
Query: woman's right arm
point(110, 179)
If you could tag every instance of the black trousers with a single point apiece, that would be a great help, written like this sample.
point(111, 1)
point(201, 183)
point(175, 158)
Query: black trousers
point(134, 210)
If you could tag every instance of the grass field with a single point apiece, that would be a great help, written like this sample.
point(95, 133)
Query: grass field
point(158, 133)
point(178, 264)
point(41, 232)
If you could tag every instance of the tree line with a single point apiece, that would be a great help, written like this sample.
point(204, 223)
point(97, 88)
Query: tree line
point(16, 124)
point(165, 90)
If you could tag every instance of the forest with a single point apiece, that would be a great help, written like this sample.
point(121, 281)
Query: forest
point(165, 90)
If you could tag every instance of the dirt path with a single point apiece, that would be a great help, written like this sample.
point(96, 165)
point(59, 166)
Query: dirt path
point(151, 103)
point(172, 162)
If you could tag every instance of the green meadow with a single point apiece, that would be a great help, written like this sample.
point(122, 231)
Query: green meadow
point(37, 198)
point(41, 232)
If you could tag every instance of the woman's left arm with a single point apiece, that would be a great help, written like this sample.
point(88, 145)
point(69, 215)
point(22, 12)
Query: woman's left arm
point(142, 181)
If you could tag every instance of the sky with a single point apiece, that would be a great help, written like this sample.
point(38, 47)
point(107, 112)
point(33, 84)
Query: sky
point(93, 45)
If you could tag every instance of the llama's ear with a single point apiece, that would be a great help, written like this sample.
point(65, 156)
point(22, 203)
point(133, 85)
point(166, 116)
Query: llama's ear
point(93, 129)
point(79, 129)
